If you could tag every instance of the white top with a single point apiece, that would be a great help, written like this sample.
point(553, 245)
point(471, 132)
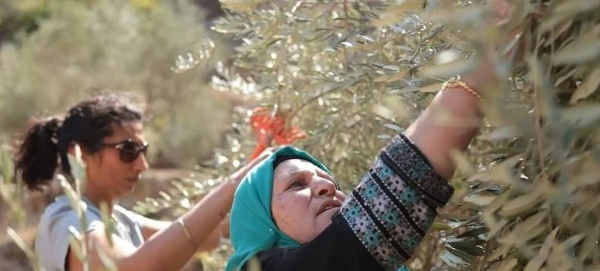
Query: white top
point(52, 241)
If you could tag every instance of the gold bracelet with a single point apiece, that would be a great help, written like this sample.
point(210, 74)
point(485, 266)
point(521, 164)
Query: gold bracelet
point(187, 232)
point(457, 82)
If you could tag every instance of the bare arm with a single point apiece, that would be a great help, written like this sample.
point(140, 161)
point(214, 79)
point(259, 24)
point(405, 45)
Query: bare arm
point(435, 138)
point(151, 226)
point(169, 248)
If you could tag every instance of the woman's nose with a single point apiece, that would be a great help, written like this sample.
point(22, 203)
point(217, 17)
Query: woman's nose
point(322, 187)
point(141, 163)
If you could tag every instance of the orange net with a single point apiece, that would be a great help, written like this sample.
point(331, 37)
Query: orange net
point(269, 125)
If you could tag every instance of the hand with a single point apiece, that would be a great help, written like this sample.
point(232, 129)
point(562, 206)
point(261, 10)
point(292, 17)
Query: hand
point(239, 175)
point(485, 73)
point(503, 10)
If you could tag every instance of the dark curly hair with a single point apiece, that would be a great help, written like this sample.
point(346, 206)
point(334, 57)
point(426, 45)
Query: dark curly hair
point(45, 144)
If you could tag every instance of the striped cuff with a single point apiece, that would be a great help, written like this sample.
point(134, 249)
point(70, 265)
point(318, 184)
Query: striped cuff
point(410, 164)
point(394, 205)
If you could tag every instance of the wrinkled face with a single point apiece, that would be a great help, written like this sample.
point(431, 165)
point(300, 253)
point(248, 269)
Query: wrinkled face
point(304, 199)
point(110, 176)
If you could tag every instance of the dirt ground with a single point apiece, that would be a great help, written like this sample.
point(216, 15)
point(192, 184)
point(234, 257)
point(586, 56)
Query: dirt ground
point(13, 259)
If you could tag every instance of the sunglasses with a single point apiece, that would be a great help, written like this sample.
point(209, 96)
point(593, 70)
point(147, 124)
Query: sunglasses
point(129, 150)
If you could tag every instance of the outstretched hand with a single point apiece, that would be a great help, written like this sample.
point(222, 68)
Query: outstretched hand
point(437, 140)
point(485, 73)
point(240, 173)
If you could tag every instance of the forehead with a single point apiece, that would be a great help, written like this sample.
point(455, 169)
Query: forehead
point(292, 166)
point(133, 130)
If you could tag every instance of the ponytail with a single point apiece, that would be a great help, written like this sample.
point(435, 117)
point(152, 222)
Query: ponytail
point(37, 154)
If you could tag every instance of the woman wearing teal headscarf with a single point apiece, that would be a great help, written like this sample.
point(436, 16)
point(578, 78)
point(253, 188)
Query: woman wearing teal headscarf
point(344, 240)
point(288, 212)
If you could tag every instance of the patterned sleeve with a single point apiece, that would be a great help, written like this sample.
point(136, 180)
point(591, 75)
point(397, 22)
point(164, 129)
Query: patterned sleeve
point(394, 205)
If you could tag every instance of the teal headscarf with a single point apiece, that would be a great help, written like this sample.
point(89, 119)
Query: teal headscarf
point(252, 227)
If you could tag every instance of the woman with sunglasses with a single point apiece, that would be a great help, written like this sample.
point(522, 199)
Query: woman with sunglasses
point(109, 131)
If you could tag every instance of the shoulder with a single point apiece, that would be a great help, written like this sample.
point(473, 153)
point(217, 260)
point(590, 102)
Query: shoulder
point(58, 224)
point(61, 215)
point(327, 252)
point(122, 211)
point(128, 217)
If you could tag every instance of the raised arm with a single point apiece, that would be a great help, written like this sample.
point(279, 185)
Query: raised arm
point(151, 227)
point(169, 246)
point(435, 138)
point(396, 202)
